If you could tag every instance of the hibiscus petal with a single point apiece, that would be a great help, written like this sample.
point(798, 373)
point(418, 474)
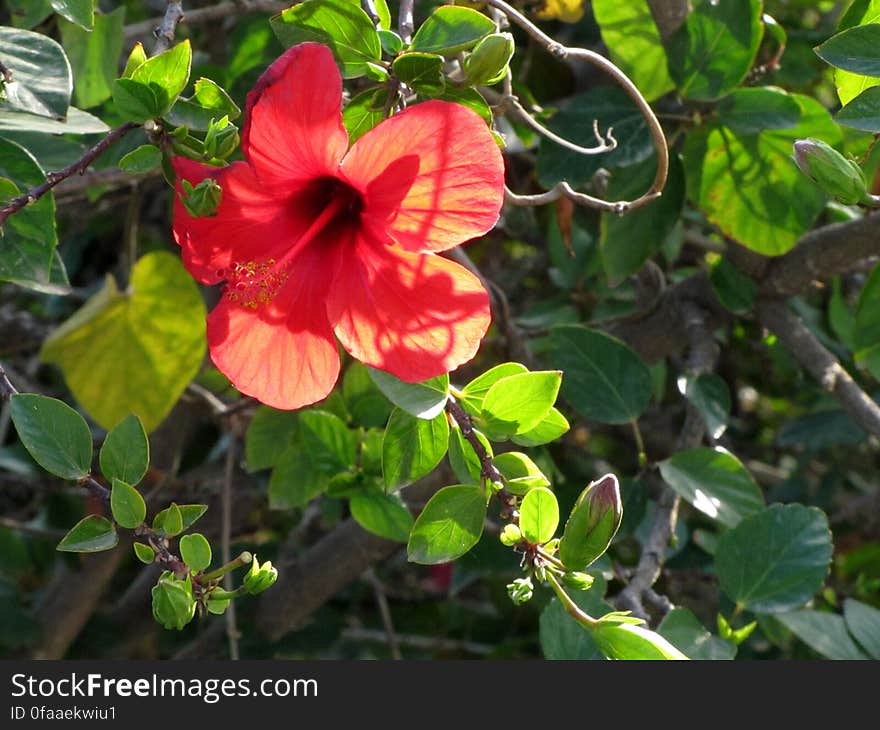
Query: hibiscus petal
point(432, 176)
point(293, 128)
point(413, 315)
point(250, 224)
point(282, 353)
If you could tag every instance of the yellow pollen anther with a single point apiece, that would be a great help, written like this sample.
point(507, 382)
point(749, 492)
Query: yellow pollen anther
point(254, 283)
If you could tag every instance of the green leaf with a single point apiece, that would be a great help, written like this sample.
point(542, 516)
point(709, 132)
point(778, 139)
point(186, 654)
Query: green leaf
point(91, 534)
point(42, 79)
point(735, 290)
point(93, 56)
point(709, 394)
point(135, 101)
point(127, 505)
point(715, 482)
point(753, 110)
point(626, 242)
point(384, 515)
point(422, 72)
point(550, 429)
point(144, 553)
point(823, 632)
point(748, 185)
point(685, 631)
point(450, 29)
point(631, 642)
point(166, 75)
point(863, 622)
point(28, 240)
point(28, 13)
point(450, 524)
point(604, 379)
point(863, 112)
point(711, 53)
point(141, 159)
point(81, 12)
point(363, 399)
point(463, 459)
point(156, 332)
point(169, 520)
point(471, 98)
point(820, 430)
point(364, 112)
point(269, 435)
point(323, 448)
point(422, 400)
point(208, 102)
point(195, 550)
point(562, 638)
point(518, 403)
point(612, 108)
point(866, 332)
point(473, 394)
point(854, 50)
point(522, 474)
point(189, 513)
point(633, 41)
point(77, 122)
point(341, 25)
point(125, 453)
point(539, 515)
point(775, 560)
point(850, 85)
point(55, 435)
point(412, 447)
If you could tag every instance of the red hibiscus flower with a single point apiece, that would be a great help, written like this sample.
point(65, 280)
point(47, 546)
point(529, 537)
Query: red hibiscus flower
point(316, 239)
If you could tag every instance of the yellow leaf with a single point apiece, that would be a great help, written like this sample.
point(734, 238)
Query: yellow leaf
point(568, 11)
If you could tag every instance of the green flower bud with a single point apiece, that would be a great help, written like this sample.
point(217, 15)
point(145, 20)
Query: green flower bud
point(221, 139)
point(260, 577)
point(838, 176)
point(520, 591)
point(510, 535)
point(487, 63)
point(173, 602)
point(578, 581)
point(592, 524)
point(202, 199)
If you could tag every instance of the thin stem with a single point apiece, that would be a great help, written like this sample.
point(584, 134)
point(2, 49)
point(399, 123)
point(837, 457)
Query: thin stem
point(244, 559)
point(53, 178)
point(7, 389)
point(640, 443)
point(166, 30)
point(226, 538)
point(551, 559)
point(385, 613)
point(405, 24)
point(369, 7)
point(573, 610)
point(218, 594)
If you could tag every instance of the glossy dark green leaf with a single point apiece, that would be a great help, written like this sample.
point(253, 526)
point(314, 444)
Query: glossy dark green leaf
point(127, 505)
point(450, 524)
point(612, 108)
point(626, 242)
point(820, 430)
point(748, 185)
point(734, 289)
point(269, 435)
point(603, 378)
point(135, 101)
point(854, 49)
point(710, 395)
point(91, 534)
point(863, 112)
point(422, 400)
point(363, 399)
point(125, 453)
point(711, 53)
point(775, 560)
point(752, 110)
point(450, 29)
point(364, 112)
point(384, 515)
point(824, 632)
point(685, 631)
point(863, 623)
point(850, 85)
point(539, 515)
point(42, 79)
point(422, 72)
point(866, 331)
point(141, 159)
point(195, 550)
point(81, 12)
point(94, 56)
point(715, 482)
point(518, 403)
point(28, 13)
point(341, 25)
point(77, 122)
point(412, 447)
point(471, 98)
point(154, 86)
point(55, 435)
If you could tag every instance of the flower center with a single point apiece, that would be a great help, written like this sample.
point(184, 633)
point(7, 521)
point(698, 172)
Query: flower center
point(336, 206)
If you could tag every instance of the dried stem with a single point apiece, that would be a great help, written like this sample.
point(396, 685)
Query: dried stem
point(405, 23)
point(165, 31)
point(53, 178)
point(225, 542)
point(210, 14)
point(385, 612)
